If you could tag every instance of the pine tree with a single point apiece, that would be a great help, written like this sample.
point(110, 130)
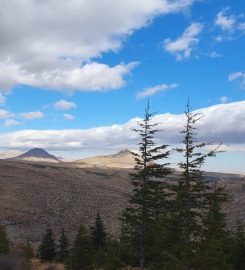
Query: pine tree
point(98, 233)
point(47, 250)
point(4, 242)
point(147, 200)
point(191, 190)
point(238, 246)
point(63, 247)
point(82, 252)
point(213, 249)
point(111, 257)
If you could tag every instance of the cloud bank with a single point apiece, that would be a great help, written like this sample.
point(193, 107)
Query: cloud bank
point(222, 123)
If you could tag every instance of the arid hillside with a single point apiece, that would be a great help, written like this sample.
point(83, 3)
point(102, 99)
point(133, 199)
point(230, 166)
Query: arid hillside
point(123, 159)
point(33, 196)
point(36, 195)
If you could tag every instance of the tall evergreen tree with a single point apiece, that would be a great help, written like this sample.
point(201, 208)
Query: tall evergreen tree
point(147, 200)
point(98, 233)
point(238, 246)
point(191, 190)
point(63, 247)
point(82, 252)
point(4, 242)
point(213, 251)
point(111, 256)
point(47, 250)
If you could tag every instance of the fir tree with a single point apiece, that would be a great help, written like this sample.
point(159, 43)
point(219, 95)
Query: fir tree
point(147, 200)
point(4, 242)
point(111, 257)
point(98, 233)
point(191, 201)
point(82, 252)
point(238, 247)
point(213, 249)
point(63, 247)
point(47, 250)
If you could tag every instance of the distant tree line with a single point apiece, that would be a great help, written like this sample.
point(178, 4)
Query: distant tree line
point(173, 221)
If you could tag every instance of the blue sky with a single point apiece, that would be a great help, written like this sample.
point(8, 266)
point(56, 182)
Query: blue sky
point(89, 64)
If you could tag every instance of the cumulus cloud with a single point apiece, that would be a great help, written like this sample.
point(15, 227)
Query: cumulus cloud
point(229, 24)
point(68, 116)
point(64, 105)
point(90, 77)
point(183, 46)
point(56, 37)
point(155, 89)
point(239, 75)
point(32, 115)
point(5, 114)
point(112, 138)
point(10, 123)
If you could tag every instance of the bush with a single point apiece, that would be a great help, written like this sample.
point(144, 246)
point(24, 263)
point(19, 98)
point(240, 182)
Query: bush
point(13, 263)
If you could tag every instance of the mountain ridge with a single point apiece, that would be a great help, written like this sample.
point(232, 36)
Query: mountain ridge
point(36, 155)
point(122, 159)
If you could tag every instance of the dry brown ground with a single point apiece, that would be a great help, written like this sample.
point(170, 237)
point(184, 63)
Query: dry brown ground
point(34, 196)
point(36, 265)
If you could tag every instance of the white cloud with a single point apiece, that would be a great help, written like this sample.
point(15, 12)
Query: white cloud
point(183, 46)
point(239, 75)
point(5, 114)
point(48, 41)
point(2, 99)
point(224, 100)
point(242, 26)
point(32, 115)
point(214, 55)
point(90, 77)
point(10, 123)
point(112, 138)
point(227, 22)
point(155, 89)
point(68, 116)
point(64, 105)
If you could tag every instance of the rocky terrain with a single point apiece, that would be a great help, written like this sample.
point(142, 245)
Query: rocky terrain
point(34, 195)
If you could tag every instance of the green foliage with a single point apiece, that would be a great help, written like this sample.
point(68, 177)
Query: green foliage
point(82, 252)
point(190, 203)
point(108, 258)
point(98, 233)
point(213, 249)
point(106, 248)
point(238, 247)
point(163, 238)
point(4, 242)
point(148, 198)
point(63, 247)
point(47, 251)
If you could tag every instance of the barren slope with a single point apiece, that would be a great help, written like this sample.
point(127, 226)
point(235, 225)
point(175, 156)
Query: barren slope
point(35, 195)
point(123, 159)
